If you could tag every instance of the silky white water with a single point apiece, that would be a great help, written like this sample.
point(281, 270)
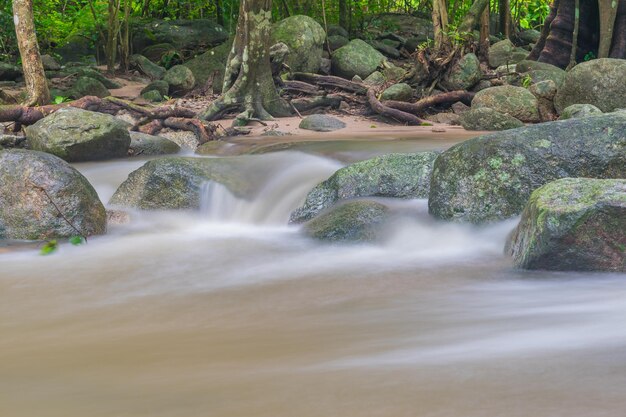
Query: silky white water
point(229, 311)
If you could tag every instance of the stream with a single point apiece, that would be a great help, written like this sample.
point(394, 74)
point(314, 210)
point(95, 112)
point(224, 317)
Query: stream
point(230, 312)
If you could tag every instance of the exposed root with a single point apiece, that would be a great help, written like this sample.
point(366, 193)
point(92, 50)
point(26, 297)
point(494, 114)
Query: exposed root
point(398, 115)
point(429, 102)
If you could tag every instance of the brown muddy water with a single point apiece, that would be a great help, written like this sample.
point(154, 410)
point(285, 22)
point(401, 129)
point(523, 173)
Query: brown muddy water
point(229, 312)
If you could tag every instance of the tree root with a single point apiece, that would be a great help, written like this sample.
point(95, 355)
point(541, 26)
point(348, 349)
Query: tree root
point(386, 111)
point(428, 102)
point(330, 82)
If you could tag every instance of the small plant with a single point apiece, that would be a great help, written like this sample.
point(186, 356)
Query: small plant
point(77, 240)
point(49, 247)
point(589, 56)
point(527, 81)
point(61, 99)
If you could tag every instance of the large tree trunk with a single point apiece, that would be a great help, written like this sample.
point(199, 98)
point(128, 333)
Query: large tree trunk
point(34, 75)
point(440, 23)
point(505, 17)
point(343, 14)
point(248, 82)
point(472, 17)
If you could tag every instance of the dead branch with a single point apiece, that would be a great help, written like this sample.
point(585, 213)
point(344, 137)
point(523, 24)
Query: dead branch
point(398, 115)
point(330, 82)
point(428, 102)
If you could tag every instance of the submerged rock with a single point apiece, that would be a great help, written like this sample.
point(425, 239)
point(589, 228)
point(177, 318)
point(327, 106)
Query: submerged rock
point(144, 144)
point(573, 224)
point(354, 221)
point(491, 177)
point(394, 175)
point(601, 82)
point(305, 39)
point(176, 182)
point(514, 101)
point(37, 190)
point(356, 58)
point(321, 123)
point(79, 135)
point(485, 118)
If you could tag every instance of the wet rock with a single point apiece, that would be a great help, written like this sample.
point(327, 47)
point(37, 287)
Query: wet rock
point(573, 224)
point(180, 79)
point(145, 145)
point(464, 74)
point(80, 135)
point(305, 39)
point(176, 182)
point(34, 186)
point(398, 92)
point(601, 82)
point(579, 110)
point(321, 123)
point(87, 86)
point(491, 177)
point(355, 221)
point(514, 101)
point(188, 35)
point(146, 67)
point(504, 52)
point(394, 175)
point(356, 58)
point(9, 72)
point(117, 217)
point(49, 63)
point(210, 64)
point(485, 118)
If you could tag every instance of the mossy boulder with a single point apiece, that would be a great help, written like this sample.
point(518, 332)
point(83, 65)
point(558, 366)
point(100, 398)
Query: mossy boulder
point(395, 175)
point(159, 85)
point(180, 79)
point(37, 190)
point(321, 123)
point(579, 110)
point(49, 63)
point(491, 177)
point(398, 92)
point(353, 221)
point(147, 67)
point(514, 101)
point(152, 96)
point(529, 36)
point(87, 86)
point(305, 39)
point(92, 73)
point(464, 74)
point(212, 63)
point(176, 182)
point(145, 145)
point(356, 58)
point(187, 35)
point(504, 52)
point(337, 41)
point(544, 89)
point(601, 82)
point(76, 48)
point(79, 135)
point(156, 52)
point(573, 224)
point(485, 118)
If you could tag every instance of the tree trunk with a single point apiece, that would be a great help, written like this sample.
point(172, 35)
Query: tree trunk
point(343, 14)
point(113, 29)
point(248, 82)
point(608, 12)
point(219, 13)
point(472, 17)
point(505, 18)
point(34, 75)
point(125, 38)
point(440, 23)
point(483, 44)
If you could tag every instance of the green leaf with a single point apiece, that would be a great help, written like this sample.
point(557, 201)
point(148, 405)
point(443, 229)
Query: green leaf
point(50, 247)
point(77, 240)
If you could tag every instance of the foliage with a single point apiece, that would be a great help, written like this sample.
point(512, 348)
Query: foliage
point(49, 247)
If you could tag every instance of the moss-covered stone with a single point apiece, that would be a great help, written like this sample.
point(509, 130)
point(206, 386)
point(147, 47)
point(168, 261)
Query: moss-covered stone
point(34, 186)
point(464, 74)
point(491, 177)
point(144, 145)
point(210, 64)
point(398, 92)
point(79, 135)
point(321, 123)
point(485, 118)
point(147, 67)
point(337, 41)
point(305, 39)
point(504, 52)
point(87, 86)
point(354, 221)
point(573, 224)
point(579, 110)
point(601, 82)
point(187, 35)
point(514, 101)
point(176, 182)
point(394, 175)
point(356, 58)
point(180, 79)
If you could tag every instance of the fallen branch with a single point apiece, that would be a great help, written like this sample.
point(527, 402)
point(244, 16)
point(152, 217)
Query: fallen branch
point(428, 102)
point(331, 82)
point(398, 115)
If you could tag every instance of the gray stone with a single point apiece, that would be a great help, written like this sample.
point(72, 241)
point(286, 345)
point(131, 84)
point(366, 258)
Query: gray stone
point(504, 52)
point(491, 177)
point(375, 79)
point(34, 187)
point(573, 224)
point(160, 85)
point(49, 63)
point(145, 145)
point(305, 39)
point(485, 118)
point(356, 58)
point(464, 74)
point(146, 67)
point(336, 30)
point(385, 49)
point(153, 96)
point(180, 79)
point(87, 86)
point(321, 123)
point(514, 101)
point(544, 89)
point(529, 35)
point(79, 135)
point(579, 110)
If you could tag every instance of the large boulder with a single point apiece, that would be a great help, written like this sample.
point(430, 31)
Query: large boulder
point(356, 58)
point(337, 41)
point(188, 35)
point(601, 82)
point(212, 63)
point(353, 221)
point(77, 48)
point(156, 53)
point(485, 118)
point(176, 182)
point(394, 175)
point(573, 224)
point(180, 79)
point(464, 74)
point(305, 39)
point(43, 197)
point(491, 177)
point(514, 101)
point(80, 135)
point(504, 52)
point(87, 86)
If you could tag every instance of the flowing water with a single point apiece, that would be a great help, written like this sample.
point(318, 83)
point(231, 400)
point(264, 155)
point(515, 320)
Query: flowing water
point(229, 312)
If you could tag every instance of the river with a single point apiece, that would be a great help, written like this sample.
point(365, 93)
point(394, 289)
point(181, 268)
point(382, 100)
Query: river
point(229, 312)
